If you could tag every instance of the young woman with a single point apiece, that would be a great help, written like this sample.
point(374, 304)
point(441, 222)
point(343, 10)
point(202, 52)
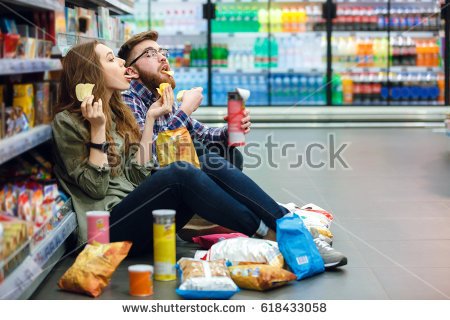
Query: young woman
point(104, 162)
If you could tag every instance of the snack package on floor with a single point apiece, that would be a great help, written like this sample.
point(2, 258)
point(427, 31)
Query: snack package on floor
point(176, 145)
point(206, 242)
point(94, 267)
point(260, 277)
point(205, 279)
point(313, 216)
point(239, 250)
point(298, 247)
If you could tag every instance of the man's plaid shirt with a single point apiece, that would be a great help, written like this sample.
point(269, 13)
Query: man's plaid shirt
point(139, 98)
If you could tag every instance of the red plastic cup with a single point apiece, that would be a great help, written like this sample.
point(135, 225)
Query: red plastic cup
point(98, 226)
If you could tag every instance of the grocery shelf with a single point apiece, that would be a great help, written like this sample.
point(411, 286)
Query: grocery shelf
point(298, 70)
point(38, 4)
point(266, 70)
point(410, 33)
point(175, 1)
point(19, 66)
point(166, 33)
point(238, 70)
point(189, 69)
point(13, 146)
point(384, 1)
point(306, 34)
point(392, 69)
point(226, 35)
point(24, 280)
point(316, 116)
point(116, 6)
point(65, 41)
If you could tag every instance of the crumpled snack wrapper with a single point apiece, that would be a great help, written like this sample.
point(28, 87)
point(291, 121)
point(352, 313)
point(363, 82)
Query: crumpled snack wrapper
point(260, 277)
point(94, 267)
point(176, 145)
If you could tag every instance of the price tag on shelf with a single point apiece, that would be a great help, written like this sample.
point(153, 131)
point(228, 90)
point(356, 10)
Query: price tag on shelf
point(18, 281)
point(54, 240)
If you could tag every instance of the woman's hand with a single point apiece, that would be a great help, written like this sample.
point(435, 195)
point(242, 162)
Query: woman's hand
point(93, 112)
point(163, 105)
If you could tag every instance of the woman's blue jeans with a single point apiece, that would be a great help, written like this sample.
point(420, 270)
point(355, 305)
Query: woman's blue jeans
point(219, 192)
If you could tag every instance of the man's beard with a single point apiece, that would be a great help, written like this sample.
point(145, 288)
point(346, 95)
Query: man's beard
point(152, 81)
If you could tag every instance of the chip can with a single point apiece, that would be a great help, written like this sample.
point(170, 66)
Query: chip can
point(164, 245)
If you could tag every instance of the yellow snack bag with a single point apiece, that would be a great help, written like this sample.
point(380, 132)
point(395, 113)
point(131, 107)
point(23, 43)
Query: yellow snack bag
point(94, 267)
point(24, 99)
point(176, 145)
point(260, 277)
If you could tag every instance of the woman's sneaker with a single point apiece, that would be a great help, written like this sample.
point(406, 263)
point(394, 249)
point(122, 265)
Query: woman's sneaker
point(331, 257)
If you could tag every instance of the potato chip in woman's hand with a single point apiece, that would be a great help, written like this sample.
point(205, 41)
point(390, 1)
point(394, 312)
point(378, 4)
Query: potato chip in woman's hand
point(83, 90)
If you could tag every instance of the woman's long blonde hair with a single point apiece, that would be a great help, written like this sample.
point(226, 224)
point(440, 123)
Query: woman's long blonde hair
point(82, 65)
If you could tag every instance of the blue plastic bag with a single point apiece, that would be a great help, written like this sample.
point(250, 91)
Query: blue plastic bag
point(298, 247)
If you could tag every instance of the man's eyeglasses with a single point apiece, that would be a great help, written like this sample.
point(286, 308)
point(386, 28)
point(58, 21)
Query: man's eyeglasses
point(151, 53)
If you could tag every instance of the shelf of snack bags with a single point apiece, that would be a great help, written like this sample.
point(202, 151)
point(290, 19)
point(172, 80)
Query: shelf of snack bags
point(21, 283)
point(17, 144)
point(37, 220)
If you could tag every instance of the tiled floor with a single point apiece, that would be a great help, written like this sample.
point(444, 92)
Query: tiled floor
point(392, 215)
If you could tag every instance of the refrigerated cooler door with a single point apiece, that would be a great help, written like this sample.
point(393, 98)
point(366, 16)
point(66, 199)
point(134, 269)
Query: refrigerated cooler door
point(298, 53)
point(387, 55)
point(183, 31)
point(240, 52)
point(276, 50)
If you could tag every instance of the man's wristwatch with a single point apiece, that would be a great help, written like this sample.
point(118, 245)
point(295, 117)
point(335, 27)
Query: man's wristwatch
point(103, 147)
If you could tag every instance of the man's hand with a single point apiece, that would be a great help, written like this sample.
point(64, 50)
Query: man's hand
point(163, 105)
point(246, 124)
point(192, 99)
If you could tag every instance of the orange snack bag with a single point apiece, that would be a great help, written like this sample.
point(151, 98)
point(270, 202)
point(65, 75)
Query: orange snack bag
point(94, 267)
point(260, 277)
point(176, 145)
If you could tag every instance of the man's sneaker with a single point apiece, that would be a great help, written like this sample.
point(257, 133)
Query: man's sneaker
point(331, 258)
point(326, 239)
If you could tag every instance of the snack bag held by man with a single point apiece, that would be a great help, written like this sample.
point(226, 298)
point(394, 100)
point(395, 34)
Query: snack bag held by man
point(176, 145)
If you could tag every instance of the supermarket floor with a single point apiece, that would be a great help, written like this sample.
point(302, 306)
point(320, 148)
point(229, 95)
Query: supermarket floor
point(391, 208)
